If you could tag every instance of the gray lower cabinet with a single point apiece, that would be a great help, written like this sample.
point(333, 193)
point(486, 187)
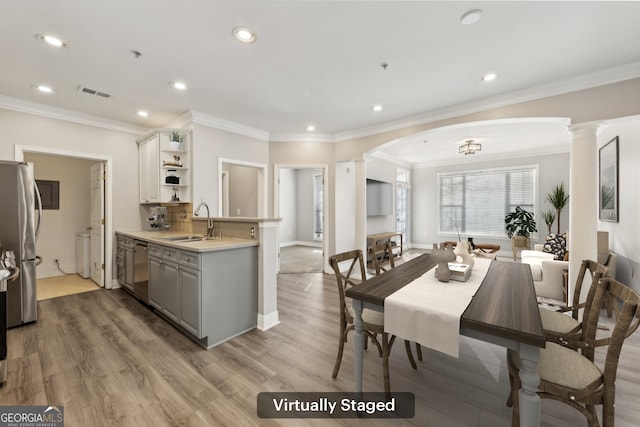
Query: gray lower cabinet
point(125, 260)
point(190, 300)
point(212, 296)
point(174, 289)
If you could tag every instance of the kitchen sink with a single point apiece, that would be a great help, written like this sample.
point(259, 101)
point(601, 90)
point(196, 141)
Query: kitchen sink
point(185, 238)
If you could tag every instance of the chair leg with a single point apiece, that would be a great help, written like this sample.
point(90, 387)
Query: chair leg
point(342, 338)
point(375, 340)
point(385, 364)
point(608, 410)
point(407, 346)
point(419, 351)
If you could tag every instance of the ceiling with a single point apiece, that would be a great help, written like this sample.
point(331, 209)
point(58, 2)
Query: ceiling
point(314, 62)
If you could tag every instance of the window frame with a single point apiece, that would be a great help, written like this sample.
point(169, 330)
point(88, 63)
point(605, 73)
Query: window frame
point(451, 235)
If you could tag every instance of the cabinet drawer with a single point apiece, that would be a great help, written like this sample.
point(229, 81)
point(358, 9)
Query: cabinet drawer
point(128, 242)
point(155, 251)
point(190, 259)
point(170, 254)
point(120, 239)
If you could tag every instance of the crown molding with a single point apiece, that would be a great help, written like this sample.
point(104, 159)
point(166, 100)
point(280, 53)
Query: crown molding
point(28, 107)
point(390, 158)
point(227, 125)
point(301, 137)
point(599, 78)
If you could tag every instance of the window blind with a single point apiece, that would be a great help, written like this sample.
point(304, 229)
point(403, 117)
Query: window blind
point(476, 202)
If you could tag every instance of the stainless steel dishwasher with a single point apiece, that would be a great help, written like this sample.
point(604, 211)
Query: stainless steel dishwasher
point(141, 271)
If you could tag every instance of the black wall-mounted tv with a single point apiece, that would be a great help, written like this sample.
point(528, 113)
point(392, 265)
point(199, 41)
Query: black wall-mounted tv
point(379, 198)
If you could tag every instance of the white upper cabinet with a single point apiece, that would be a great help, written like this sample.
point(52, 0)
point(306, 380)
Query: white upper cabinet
point(164, 159)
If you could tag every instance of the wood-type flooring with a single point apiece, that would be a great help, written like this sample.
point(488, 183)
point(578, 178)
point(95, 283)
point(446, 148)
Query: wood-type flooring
point(113, 362)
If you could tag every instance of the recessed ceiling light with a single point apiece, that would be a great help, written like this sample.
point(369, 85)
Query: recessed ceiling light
point(51, 40)
point(178, 85)
point(311, 128)
point(245, 35)
point(489, 77)
point(43, 89)
point(377, 107)
point(142, 113)
point(471, 17)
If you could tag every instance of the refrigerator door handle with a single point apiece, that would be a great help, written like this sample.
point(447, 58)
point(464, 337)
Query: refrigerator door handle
point(39, 209)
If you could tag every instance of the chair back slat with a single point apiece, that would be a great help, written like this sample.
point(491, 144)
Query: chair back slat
point(596, 271)
point(381, 255)
point(347, 278)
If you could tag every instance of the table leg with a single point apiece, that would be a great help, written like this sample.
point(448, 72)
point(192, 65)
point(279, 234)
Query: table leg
point(528, 396)
point(358, 344)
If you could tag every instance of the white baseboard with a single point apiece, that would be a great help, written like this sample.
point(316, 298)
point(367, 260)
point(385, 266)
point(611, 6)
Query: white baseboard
point(268, 321)
point(301, 243)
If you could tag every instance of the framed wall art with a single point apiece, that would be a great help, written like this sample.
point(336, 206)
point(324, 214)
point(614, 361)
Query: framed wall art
point(608, 181)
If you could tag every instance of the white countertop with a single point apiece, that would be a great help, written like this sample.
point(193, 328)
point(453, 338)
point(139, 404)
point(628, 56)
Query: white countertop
point(211, 244)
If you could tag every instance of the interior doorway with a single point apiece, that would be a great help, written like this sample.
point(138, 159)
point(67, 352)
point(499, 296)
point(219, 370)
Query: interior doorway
point(300, 200)
point(61, 254)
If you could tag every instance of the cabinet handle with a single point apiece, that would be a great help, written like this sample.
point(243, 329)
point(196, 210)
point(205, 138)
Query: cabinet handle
point(187, 259)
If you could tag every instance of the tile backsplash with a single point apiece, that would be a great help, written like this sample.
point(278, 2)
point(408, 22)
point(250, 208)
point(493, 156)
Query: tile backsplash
point(179, 217)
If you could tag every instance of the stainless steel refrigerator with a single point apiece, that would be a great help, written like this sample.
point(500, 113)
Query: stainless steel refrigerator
point(20, 214)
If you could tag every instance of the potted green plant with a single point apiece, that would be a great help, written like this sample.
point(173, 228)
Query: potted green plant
point(548, 217)
point(175, 140)
point(558, 198)
point(519, 226)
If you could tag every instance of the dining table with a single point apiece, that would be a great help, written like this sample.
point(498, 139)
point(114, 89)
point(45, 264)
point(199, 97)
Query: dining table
point(502, 310)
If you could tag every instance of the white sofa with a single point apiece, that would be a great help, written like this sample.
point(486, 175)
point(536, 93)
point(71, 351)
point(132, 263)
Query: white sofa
point(547, 273)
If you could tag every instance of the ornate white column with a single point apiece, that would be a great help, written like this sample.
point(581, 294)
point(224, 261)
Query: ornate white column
point(361, 206)
point(583, 199)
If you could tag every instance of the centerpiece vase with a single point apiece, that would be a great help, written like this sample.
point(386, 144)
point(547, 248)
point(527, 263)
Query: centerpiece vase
point(463, 254)
point(443, 256)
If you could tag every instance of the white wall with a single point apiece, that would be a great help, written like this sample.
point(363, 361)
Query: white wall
point(552, 169)
point(624, 235)
point(345, 206)
point(210, 144)
point(58, 230)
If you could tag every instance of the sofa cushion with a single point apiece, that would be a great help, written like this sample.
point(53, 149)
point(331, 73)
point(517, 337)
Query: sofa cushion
point(556, 244)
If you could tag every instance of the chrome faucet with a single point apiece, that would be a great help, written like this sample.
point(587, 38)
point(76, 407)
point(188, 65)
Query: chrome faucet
point(209, 219)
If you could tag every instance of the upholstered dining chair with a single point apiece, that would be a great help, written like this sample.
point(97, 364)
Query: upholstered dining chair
point(381, 256)
point(373, 321)
point(560, 327)
point(568, 373)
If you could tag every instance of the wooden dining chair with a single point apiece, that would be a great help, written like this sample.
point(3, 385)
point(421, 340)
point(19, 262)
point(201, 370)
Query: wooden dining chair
point(372, 320)
point(568, 373)
point(381, 256)
point(557, 324)
point(382, 259)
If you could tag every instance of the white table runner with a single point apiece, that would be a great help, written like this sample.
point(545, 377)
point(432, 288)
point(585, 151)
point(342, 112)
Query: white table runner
point(428, 311)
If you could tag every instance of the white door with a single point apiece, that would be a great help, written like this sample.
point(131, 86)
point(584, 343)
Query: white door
point(97, 223)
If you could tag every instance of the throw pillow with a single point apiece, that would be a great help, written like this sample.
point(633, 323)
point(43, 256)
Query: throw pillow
point(556, 244)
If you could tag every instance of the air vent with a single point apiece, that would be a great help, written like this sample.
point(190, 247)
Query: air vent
point(94, 92)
